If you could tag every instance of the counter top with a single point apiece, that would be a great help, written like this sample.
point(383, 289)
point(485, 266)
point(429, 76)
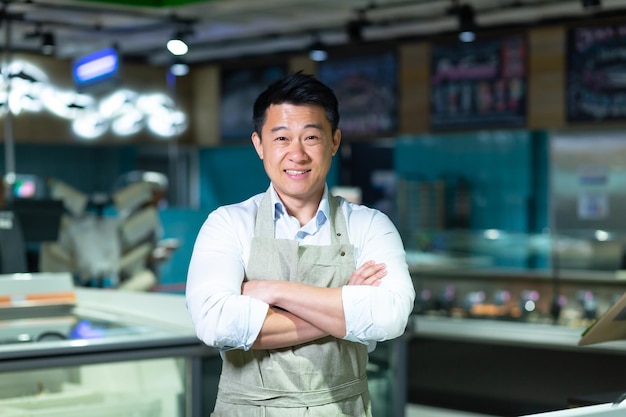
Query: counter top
point(507, 333)
point(103, 322)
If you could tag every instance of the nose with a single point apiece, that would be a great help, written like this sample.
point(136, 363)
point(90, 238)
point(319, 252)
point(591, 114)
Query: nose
point(297, 151)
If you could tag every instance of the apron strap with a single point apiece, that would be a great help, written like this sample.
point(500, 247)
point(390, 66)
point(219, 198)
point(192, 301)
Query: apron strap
point(234, 393)
point(264, 226)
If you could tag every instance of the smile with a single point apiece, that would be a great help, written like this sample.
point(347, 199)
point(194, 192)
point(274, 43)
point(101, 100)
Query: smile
point(296, 172)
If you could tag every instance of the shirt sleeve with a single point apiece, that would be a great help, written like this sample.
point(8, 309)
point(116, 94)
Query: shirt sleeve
point(379, 313)
point(222, 316)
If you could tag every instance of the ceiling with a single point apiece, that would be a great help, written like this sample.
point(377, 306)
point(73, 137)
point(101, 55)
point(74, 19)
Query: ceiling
point(224, 29)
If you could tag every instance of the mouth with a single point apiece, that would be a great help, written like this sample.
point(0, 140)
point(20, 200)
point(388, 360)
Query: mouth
point(296, 172)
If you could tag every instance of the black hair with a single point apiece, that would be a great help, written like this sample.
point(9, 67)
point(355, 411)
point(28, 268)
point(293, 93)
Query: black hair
point(296, 88)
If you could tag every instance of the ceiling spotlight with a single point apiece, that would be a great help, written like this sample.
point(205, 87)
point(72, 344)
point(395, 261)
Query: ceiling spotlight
point(317, 51)
point(177, 45)
point(179, 68)
point(467, 23)
point(48, 43)
point(354, 28)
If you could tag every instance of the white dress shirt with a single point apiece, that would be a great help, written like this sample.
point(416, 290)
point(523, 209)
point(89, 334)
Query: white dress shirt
point(225, 319)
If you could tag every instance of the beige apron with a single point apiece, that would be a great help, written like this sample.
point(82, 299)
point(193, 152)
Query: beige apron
point(324, 378)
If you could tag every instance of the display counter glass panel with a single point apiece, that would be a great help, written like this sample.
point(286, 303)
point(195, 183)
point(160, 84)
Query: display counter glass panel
point(138, 388)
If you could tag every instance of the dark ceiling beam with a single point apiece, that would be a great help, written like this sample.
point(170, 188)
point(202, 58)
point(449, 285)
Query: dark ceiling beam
point(379, 23)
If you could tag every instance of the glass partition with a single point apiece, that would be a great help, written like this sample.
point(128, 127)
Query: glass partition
point(566, 278)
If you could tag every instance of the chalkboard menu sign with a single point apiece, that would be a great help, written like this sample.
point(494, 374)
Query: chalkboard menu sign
point(479, 84)
point(239, 90)
point(596, 73)
point(366, 87)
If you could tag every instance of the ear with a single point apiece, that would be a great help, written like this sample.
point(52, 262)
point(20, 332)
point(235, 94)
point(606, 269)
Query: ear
point(336, 141)
point(256, 141)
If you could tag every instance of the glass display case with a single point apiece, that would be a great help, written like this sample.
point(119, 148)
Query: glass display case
point(568, 279)
point(70, 352)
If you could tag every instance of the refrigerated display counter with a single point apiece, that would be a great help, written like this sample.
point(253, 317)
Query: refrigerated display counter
point(68, 351)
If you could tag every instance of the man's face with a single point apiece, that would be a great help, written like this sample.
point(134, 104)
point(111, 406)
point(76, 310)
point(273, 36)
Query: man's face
point(297, 147)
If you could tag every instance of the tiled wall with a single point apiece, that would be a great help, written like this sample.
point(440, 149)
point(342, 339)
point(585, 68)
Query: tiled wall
point(229, 175)
point(87, 168)
point(505, 172)
point(182, 224)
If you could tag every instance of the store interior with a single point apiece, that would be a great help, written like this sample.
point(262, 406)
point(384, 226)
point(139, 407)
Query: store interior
point(500, 161)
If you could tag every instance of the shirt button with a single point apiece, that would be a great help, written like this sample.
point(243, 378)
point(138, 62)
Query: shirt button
point(342, 253)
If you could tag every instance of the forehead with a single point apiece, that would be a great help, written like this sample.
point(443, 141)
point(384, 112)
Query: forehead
point(295, 115)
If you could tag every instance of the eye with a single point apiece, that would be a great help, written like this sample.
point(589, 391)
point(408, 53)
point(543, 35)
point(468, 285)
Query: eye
point(280, 139)
point(312, 138)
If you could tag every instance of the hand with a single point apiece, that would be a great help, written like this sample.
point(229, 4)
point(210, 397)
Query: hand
point(370, 273)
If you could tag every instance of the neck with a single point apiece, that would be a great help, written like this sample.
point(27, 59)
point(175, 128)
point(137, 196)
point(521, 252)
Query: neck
point(302, 209)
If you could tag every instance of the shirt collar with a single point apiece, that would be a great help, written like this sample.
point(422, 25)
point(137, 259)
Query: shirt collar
point(323, 211)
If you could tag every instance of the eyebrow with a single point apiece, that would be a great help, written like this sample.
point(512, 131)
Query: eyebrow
point(308, 126)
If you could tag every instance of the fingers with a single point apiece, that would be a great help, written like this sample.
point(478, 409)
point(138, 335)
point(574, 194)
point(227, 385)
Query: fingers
point(370, 273)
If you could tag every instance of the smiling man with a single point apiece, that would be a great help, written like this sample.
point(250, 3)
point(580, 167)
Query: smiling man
point(295, 286)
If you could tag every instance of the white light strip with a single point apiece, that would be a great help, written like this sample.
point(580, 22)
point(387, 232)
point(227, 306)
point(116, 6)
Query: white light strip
point(124, 112)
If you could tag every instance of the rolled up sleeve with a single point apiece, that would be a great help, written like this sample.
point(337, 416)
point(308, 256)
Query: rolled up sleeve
point(380, 313)
point(222, 316)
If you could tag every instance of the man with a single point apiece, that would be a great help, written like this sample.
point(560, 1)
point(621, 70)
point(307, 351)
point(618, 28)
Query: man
point(294, 285)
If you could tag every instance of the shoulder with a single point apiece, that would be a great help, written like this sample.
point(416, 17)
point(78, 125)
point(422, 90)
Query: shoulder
point(237, 214)
point(359, 216)
point(358, 210)
point(241, 208)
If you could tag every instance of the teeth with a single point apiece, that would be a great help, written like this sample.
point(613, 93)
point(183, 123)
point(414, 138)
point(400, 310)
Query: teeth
point(294, 172)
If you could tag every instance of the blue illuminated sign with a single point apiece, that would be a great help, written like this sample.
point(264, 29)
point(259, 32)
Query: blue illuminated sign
point(98, 66)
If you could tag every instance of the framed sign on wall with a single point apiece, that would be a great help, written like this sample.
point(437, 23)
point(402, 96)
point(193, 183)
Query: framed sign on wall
point(366, 87)
point(239, 89)
point(596, 73)
point(479, 84)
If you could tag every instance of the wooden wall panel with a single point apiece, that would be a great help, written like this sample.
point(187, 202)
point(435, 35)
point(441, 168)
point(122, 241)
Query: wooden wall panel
point(414, 88)
point(546, 78)
point(302, 63)
point(205, 113)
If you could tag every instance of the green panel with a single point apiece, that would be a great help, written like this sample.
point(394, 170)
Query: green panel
point(148, 3)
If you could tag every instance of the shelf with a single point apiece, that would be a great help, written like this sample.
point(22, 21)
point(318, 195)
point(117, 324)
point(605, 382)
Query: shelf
point(507, 333)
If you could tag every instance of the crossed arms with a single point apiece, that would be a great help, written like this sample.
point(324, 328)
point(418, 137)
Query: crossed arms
point(300, 313)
